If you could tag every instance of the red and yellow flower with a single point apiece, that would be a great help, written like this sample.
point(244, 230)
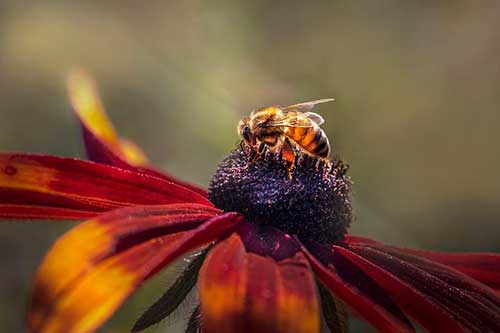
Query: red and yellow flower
point(252, 277)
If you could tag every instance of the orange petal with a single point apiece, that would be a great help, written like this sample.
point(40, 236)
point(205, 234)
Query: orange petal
point(77, 289)
point(102, 142)
point(133, 154)
point(90, 110)
point(95, 240)
point(55, 187)
point(246, 292)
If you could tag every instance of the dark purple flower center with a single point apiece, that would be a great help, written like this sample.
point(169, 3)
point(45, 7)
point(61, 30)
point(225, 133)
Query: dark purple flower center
point(314, 203)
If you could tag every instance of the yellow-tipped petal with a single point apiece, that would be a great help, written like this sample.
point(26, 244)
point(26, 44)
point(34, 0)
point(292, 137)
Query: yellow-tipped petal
point(102, 143)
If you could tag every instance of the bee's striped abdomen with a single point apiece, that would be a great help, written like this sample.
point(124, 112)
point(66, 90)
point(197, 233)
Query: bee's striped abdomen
point(322, 146)
point(311, 139)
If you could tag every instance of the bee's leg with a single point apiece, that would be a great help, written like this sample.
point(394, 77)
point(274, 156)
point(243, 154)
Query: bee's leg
point(260, 150)
point(241, 144)
point(288, 156)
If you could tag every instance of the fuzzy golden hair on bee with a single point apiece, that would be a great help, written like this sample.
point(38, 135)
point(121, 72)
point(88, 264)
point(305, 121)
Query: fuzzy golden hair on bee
point(286, 129)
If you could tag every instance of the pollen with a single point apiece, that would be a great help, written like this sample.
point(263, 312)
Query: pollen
point(313, 202)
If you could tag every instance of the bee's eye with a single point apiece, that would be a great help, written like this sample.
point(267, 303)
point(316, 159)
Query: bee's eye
point(246, 134)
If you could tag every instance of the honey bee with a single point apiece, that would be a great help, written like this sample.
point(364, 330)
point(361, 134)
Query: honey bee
point(286, 127)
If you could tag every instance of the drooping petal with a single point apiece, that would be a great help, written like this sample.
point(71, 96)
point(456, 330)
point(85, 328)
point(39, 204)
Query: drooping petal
point(448, 275)
point(361, 293)
point(481, 266)
point(55, 187)
point(222, 285)
point(91, 292)
point(470, 303)
point(245, 292)
point(423, 309)
point(95, 240)
point(102, 143)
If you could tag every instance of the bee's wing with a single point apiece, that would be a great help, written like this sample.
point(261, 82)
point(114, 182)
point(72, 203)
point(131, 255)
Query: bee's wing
point(306, 119)
point(314, 117)
point(297, 115)
point(298, 120)
point(306, 106)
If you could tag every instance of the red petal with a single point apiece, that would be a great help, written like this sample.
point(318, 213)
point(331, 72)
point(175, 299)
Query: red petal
point(484, 267)
point(78, 288)
point(267, 241)
point(358, 239)
point(470, 303)
point(373, 305)
point(244, 292)
point(481, 266)
point(102, 143)
point(65, 187)
point(447, 274)
point(423, 309)
point(39, 212)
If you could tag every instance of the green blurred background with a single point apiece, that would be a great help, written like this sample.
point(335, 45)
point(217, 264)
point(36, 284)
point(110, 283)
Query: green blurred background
point(417, 88)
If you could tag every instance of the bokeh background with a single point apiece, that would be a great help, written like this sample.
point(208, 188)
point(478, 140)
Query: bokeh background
point(417, 88)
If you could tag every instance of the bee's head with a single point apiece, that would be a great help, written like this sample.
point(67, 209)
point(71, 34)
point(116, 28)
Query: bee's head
point(245, 132)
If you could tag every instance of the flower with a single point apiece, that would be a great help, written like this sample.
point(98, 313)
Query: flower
point(273, 251)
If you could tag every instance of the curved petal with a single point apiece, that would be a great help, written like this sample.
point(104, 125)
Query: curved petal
point(423, 309)
point(472, 304)
point(102, 143)
point(481, 266)
point(56, 187)
point(76, 291)
point(245, 292)
point(361, 293)
point(95, 240)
